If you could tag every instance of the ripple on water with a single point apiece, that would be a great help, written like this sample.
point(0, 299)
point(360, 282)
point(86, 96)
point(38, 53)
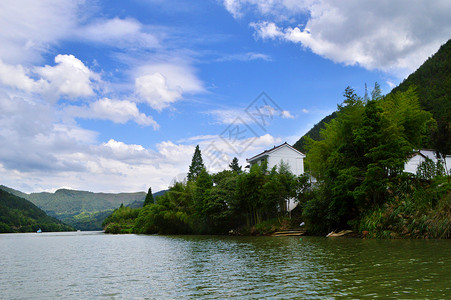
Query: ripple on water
point(139, 267)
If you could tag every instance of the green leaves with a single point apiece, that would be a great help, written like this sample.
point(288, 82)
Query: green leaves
point(362, 149)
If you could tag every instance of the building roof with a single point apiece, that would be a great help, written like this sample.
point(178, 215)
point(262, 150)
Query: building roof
point(426, 153)
point(269, 151)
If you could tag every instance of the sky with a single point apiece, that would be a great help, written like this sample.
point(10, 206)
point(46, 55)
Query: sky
point(113, 96)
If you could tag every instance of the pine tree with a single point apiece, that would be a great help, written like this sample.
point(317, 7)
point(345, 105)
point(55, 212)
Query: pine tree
point(234, 166)
point(197, 165)
point(149, 197)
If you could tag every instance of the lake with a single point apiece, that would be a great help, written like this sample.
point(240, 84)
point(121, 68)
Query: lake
point(93, 265)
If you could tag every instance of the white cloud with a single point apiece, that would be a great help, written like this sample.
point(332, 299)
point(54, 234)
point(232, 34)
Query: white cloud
point(118, 111)
point(16, 76)
point(287, 115)
point(29, 28)
point(153, 88)
point(266, 114)
point(249, 56)
point(395, 37)
point(123, 33)
point(160, 85)
point(234, 7)
point(229, 116)
point(70, 77)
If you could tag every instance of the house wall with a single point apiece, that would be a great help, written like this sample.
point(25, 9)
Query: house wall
point(412, 164)
point(294, 160)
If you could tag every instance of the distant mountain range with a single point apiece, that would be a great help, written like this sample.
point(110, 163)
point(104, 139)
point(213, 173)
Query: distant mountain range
point(432, 81)
point(20, 215)
point(81, 209)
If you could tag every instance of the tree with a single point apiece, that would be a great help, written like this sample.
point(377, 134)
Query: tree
point(376, 93)
point(234, 166)
point(149, 197)
point(441, 140)
point(197, 165)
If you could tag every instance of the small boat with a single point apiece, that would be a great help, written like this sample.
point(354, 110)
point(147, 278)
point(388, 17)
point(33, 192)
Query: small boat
point(39, 230)
point(338, 234)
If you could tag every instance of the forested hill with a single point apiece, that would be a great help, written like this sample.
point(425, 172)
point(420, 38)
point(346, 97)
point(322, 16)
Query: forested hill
point(20, 215)
point(80, 209)
point(433, 86)
point(433, 83)
point(313, 133)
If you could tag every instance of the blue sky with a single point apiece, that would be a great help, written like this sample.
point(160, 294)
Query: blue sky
point(113, 96)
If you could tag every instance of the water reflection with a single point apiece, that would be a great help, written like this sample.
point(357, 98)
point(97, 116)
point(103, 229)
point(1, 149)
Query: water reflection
point(138, 266)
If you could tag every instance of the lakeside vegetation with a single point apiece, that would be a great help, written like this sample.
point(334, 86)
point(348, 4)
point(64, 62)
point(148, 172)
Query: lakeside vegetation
point(20, 215)
point(360, 184)
point(356, 156)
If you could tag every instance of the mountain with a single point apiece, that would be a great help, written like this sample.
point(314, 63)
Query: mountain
point(80, 209)
point(20, 215)
point(433, 82)
point(313, 133)
point(433, 85)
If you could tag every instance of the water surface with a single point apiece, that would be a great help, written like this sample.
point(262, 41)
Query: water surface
point(92, 265)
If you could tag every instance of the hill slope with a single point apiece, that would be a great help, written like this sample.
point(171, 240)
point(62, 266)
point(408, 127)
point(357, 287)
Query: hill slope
point(80, 209)
point(433, 82)
point(20, 215)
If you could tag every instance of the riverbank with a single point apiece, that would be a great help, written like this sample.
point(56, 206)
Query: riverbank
point(421, 212)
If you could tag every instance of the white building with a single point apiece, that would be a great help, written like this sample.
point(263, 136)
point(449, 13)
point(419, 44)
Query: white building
point(290, 156)
point(420, 156)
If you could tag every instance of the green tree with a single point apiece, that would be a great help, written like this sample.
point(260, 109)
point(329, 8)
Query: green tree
point(149, 197)
point(234, 166)
point(441, 141)
point(361, 152)
point(197, 165)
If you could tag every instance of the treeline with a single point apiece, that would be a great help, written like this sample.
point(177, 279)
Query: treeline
point(359, 163)
point(357, 167)
point(244, 202)
point(20, 215)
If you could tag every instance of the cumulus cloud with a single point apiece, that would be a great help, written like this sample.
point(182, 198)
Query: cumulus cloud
point(118, 111)
point(395, 37)
point(160, 85)
point(16, 76)
point(153, 88)
point(70, 77)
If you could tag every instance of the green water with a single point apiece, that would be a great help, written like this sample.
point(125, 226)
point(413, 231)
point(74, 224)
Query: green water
point(94, 265)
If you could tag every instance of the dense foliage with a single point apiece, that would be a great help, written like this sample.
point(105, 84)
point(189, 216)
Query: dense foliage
point(359, 163)
point(20, 215)
point(215, 203)
point(433, 83)
point(313, 133)
point(356, 155)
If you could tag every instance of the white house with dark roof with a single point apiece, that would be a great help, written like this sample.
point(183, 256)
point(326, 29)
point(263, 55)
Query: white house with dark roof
point(286, 153)
point(420, 156)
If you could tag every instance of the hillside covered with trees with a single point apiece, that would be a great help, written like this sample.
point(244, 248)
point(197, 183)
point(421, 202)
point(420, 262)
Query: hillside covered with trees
point(360, 184)
point(20, 215)
point(80, 209)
